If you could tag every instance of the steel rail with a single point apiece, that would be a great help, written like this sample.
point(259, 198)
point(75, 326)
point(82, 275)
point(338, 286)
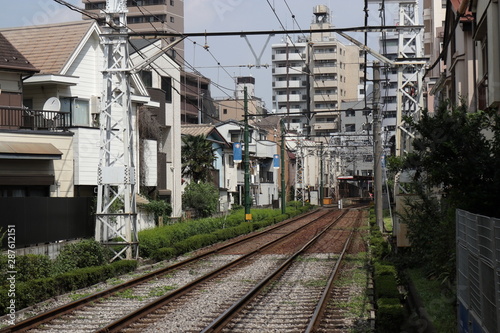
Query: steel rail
point(315, 320)
point(218, 324)
point(72, 306)
point(133, 317)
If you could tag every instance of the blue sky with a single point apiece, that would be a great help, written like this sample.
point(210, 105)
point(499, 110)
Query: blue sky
point(218, 15)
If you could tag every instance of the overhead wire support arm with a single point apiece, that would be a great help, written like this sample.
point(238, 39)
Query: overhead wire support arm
point(154, 34)
point(155, 56)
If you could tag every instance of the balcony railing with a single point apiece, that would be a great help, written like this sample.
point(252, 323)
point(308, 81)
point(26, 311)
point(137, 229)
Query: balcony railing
point(19, 118)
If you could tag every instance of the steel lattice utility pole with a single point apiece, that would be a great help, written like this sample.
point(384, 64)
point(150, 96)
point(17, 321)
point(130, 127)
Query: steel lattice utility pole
point(246, 161)
point(299, 172)
point(377, 147)
point(283, 186)
point(116, 206)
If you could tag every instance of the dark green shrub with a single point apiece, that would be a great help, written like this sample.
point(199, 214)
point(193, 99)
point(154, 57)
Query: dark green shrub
point(34, 291)
point(386, 286)
point(85, 253)
point(195, 242)
point(384, 269)
point(158, 208)
point(32, 267)
point(164, 253)
point(390, 315)
point(202, 197)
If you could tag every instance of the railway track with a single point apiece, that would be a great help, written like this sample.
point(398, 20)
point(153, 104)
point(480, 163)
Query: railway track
point(216, 280)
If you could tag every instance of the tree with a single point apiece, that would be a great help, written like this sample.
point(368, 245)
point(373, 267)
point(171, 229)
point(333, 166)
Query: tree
point(197, 158)
point(457, 165)
point(202, 197)
point(458, 151)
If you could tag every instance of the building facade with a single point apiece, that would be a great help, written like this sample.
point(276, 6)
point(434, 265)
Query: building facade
point(312, 76)
point(149, 16)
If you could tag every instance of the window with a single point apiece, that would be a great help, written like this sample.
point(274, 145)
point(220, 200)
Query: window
point(350, 113)
point(166, 85)
point(224, 111)
point(172, 20)
point(78, 109)
point(235, 137)
point(350, 127)
point(147, 78)
point(171, 2)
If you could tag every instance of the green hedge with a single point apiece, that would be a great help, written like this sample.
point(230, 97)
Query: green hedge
point(31, 292)
point(390, 315)
point(168, 241)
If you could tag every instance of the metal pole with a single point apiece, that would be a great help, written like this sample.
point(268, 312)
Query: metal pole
point(248, 216)
point(377, 147)
point(321, 175)
point(283, 188)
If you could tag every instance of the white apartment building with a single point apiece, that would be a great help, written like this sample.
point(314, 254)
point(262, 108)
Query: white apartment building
point(313, 75)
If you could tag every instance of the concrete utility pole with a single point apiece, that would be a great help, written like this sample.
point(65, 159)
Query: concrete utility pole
point(116, 214)
point(377, 147)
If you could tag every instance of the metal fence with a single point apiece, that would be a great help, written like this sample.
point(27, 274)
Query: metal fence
point(40, 220)
point(478, 273)
point(19, 118)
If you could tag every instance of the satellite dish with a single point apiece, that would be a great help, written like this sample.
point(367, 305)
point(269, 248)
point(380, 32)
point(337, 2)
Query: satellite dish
point(52, 104)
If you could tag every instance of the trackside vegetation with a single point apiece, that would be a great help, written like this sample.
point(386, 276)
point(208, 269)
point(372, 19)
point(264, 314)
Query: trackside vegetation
point(86, 263)
point(169, 241)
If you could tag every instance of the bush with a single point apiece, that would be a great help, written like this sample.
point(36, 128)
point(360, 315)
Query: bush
point(390, 315)
point(202, 197)
point(158, 208)
point(85, 253)
point(170, 240)
point(386, 286)
point(32, 267)
point(34, 291)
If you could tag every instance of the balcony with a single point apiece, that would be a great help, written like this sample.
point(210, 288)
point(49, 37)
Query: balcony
point(330, 126)
point(19, 118)
point(283, 84)
point(292, 56)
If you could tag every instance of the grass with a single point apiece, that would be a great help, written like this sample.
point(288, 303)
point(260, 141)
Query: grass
point(387, 220)
point(439, 304)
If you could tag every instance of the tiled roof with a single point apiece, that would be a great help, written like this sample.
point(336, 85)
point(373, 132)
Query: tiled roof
point(12, 59)
point(202, 129)
point(48, 47)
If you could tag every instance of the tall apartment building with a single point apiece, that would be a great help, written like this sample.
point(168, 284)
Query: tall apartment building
point(434, 18)
point(150, 16)
point(313, 76)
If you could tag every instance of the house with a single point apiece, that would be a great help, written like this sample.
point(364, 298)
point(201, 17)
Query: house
point(160, 122)
point(60, 108)
point(264, 179)
point(35, 161)
point(223, 165)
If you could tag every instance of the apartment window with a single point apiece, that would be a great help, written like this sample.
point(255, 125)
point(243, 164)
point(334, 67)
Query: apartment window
point(145, 19)
point(147, 78)
point(171, 2)
point(350, 127)
point(350, 113)
point(172, 20)
point(224, 111)
point(95, 5)
point(134, 3)
point(166, 85)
